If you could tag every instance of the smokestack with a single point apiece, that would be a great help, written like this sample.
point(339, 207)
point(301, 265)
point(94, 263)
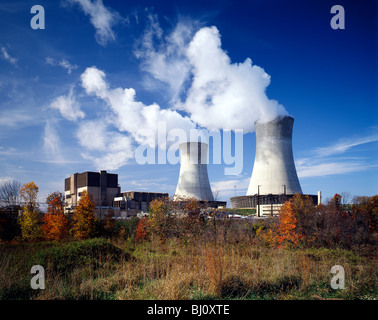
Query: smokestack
point(274, 169)
point(193, 180)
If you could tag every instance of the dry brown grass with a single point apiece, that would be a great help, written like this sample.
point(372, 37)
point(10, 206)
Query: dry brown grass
point(176, 271)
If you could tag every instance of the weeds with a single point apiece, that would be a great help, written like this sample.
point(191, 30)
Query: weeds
point(100, 269)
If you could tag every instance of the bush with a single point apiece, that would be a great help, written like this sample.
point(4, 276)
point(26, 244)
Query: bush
point(68, 256)
point(127, 228)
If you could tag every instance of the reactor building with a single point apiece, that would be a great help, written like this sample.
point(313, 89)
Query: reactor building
point(193, 181)
point(274, 178)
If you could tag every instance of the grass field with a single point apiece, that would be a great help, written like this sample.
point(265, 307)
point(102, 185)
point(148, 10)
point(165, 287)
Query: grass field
point(123, 269)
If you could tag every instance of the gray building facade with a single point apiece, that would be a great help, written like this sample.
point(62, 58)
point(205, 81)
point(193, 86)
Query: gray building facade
point(101, 185)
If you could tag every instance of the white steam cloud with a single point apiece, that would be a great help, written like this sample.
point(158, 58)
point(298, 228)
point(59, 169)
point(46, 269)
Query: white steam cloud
point(224, 95)
point(204, 89)
point(221, 94)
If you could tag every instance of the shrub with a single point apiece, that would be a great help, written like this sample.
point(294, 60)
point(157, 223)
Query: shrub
point(68, 256)
point(142, 230)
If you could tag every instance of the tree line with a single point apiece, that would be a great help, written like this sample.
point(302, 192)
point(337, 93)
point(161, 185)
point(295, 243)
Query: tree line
point(22, 219)
point(299, 224)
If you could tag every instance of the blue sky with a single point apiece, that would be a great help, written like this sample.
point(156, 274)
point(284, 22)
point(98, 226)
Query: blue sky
point(74, 95)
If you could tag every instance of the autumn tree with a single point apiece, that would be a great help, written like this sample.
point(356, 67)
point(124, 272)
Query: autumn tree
point(161, 221)
point(55, 224)
point(307, 217)
point(175, 217)
point(30, 220)
point(192, 222)
point(142, 230)
point(29, 193)
point(369, 207)
point(84, 219)
point(283, 234)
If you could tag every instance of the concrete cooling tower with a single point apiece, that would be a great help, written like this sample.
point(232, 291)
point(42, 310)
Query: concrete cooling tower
point(193, 180)
point(274, 177)
point(274, 169)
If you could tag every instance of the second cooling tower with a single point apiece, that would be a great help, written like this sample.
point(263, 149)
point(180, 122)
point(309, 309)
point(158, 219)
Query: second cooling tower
point(274, 169)
point(193, 180)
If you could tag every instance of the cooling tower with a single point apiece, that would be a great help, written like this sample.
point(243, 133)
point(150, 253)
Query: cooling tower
point(274, 169)
point(193, 180)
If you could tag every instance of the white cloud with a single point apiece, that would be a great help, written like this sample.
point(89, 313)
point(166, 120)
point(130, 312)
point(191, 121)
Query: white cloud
point(102, 18)
point(7, 151)
point(109, 150)
point(166, 61)
point(345, 145)
point(310, 169)
point(68, 107)
point(8, 57)
point(327, 161)
point(15, 118)
point(52, 146)
point(65, 64)
point(131, 116)
point(92, 135)
point(51, 142)
point(228, 188)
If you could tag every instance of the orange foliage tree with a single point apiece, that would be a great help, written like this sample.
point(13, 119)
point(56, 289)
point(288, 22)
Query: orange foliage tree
point(84, 219)
point(283, 234)
point(55, 224)
point(142, 232)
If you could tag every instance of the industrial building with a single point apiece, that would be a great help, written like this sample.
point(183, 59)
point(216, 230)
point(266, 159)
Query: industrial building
point(274, 178)
point(106, 194)
point(136, 200)
point(101, 185)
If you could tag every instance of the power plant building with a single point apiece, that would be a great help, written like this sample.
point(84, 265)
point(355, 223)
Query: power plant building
point(101, 185)
point(136, 200)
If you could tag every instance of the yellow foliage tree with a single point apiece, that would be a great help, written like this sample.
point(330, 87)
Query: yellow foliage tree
point(30, 220)
point(160, 220)
point(29, 193)
point(84, 219)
